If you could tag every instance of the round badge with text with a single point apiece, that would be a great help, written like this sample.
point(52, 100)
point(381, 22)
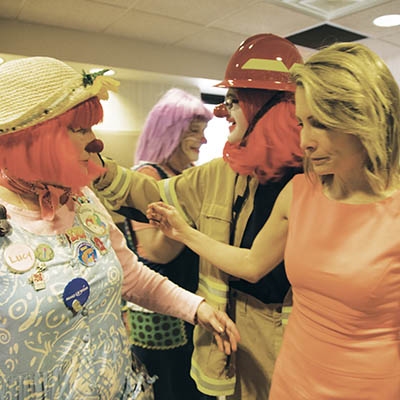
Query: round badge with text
point(76, 294)
point(19, 258)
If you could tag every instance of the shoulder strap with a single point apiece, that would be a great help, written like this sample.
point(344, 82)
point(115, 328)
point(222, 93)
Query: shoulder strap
point(129, 235)
point(161, 172)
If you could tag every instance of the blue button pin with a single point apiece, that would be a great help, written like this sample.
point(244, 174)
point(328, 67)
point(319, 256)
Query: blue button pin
point(76, 293)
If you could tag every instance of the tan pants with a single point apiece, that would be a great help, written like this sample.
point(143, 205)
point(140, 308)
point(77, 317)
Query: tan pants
point(261, 331)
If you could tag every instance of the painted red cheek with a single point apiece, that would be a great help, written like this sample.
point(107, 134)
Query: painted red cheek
point(95, 146)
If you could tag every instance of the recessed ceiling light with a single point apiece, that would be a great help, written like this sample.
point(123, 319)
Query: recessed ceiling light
point(387, 20)
point(110, 72)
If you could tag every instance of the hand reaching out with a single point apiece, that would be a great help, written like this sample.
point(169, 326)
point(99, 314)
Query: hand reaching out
point(224, 329)
point(167, 218)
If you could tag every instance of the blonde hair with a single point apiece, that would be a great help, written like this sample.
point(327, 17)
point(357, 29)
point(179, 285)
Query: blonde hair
point(351, 90)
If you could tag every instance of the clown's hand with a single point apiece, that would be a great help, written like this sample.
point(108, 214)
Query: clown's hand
point(168, 219)
point(224, 329)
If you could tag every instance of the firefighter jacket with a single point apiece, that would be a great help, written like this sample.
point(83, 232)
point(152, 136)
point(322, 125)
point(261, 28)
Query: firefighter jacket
point(204, 195)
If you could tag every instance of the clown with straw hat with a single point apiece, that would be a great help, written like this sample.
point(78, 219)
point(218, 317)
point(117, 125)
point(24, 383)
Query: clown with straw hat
point(63, 263)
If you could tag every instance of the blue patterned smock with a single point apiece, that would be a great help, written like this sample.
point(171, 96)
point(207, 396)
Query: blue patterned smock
point(47, 350)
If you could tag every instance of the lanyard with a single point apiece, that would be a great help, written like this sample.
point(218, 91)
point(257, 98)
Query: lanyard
point(237, 207)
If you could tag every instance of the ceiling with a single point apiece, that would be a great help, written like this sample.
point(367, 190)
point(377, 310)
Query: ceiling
point(214, 27)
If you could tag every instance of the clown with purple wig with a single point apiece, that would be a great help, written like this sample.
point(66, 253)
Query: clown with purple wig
point(169, 143)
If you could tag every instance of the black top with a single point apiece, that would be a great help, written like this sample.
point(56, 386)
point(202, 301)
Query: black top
point(274, 286)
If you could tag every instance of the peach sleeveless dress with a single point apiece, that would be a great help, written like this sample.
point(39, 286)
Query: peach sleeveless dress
point(343, 336)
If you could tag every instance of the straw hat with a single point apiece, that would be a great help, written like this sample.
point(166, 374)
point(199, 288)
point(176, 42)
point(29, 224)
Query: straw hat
point(36, 89)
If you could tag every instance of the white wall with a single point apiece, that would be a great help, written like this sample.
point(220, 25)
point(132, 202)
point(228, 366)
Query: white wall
point(216, 134)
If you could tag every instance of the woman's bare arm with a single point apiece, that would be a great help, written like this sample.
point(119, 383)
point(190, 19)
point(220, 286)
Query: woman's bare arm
point(249, 264)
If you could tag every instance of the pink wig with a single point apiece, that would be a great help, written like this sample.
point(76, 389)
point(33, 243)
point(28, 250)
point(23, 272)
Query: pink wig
point(165, 124)
point(45, 153)
point(272, 146)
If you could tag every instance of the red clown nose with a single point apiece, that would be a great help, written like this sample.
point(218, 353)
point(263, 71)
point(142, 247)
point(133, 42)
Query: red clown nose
point(220, 111)
point(95, 146)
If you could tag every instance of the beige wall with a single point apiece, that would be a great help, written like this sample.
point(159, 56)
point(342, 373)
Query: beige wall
point(119, 146)
point(26, 39)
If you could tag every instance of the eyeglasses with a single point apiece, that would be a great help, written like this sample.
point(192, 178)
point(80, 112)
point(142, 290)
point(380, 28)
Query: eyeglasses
point(229, 102)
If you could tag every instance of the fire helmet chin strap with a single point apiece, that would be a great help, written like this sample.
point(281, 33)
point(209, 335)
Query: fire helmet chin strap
point(277, 98)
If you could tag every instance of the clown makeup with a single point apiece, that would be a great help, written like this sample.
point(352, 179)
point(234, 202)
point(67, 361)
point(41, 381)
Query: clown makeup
point(188, 149)
point(82, 138)
point(236, 118)
point(192, 139)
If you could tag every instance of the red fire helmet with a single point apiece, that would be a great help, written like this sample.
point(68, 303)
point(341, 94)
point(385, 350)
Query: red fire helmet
point(262, 62)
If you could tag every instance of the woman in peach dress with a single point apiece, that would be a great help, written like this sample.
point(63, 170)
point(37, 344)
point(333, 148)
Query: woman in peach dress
point(338, 229)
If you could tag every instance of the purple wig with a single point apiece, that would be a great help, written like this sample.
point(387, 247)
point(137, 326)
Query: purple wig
point(165, 124)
